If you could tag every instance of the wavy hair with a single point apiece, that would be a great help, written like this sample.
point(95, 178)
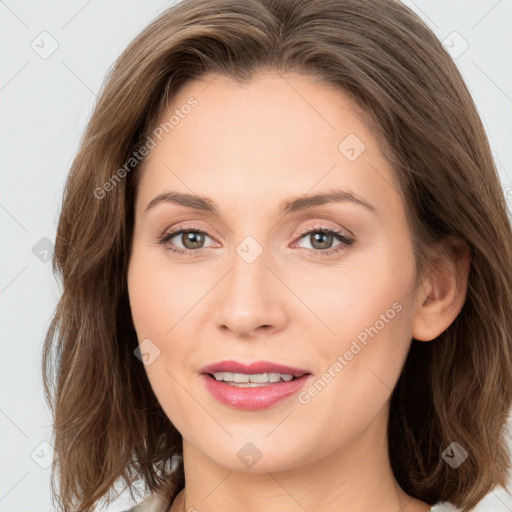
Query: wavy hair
point(108, 424)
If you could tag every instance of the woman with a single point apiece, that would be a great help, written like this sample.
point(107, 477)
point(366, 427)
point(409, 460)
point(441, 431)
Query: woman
point(286, 265)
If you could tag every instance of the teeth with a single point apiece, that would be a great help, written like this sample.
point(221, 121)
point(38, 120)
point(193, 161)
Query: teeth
point(252, 380)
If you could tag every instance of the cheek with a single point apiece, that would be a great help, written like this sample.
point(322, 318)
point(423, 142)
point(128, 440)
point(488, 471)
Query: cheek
point(159, 299)
point(147, 301)
point(364, 298)
point(356, 380)
point(156, 307)
point(368, 309)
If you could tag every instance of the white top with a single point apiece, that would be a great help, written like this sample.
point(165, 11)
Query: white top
point(444, 507)
point(156, 503)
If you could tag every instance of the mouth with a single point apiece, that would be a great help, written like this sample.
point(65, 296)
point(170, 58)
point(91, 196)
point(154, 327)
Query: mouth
point(253, 386)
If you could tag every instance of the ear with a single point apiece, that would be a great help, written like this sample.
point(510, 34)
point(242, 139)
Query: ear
point(443, 292)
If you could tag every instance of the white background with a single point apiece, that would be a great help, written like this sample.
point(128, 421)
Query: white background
point(45, 104)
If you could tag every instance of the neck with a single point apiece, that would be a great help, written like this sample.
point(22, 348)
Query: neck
point(356, 477)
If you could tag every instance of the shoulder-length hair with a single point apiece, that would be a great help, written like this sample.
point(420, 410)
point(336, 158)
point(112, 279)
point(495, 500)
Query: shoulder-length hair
point(108, 424)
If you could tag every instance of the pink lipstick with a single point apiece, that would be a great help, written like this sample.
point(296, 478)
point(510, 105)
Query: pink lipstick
point(255, 385)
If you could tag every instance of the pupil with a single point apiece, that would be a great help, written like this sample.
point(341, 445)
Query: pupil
point(192, 239)
point(323, 245)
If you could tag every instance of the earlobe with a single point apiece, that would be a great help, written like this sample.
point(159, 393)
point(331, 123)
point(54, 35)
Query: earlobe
point(442, 294)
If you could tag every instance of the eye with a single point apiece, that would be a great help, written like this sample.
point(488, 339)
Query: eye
point(191, 238)
point(321, 239)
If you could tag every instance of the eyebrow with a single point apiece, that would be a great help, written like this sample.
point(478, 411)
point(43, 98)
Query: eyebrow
point(291, 205)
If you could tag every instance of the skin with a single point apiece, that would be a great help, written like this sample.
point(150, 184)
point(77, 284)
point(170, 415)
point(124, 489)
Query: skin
point(249, 148)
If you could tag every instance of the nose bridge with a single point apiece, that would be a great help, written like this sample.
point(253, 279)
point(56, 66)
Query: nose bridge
point(248, 298)
point(249, 257)
point(249, 273)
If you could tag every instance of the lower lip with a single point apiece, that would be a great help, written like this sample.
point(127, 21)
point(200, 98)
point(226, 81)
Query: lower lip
point(253, 398)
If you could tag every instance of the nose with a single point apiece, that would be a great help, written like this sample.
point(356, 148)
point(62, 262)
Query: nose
point(251, 299)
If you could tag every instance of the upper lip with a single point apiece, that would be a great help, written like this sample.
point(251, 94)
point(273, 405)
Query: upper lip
point(253, 368)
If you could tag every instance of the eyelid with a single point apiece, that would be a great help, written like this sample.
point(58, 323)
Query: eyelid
point(320, 225)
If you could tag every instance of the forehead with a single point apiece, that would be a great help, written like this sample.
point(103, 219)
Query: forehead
point(277, 135)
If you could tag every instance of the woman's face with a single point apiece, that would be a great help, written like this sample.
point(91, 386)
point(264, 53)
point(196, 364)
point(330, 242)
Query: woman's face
point(326, 286)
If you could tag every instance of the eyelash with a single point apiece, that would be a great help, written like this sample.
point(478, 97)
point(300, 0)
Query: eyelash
point(339, 235)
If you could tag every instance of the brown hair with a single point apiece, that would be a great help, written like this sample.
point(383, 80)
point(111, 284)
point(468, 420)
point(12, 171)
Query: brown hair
point(108, 424)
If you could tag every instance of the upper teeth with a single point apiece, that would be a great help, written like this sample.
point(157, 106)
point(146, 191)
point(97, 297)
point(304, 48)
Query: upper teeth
point(258, 377)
